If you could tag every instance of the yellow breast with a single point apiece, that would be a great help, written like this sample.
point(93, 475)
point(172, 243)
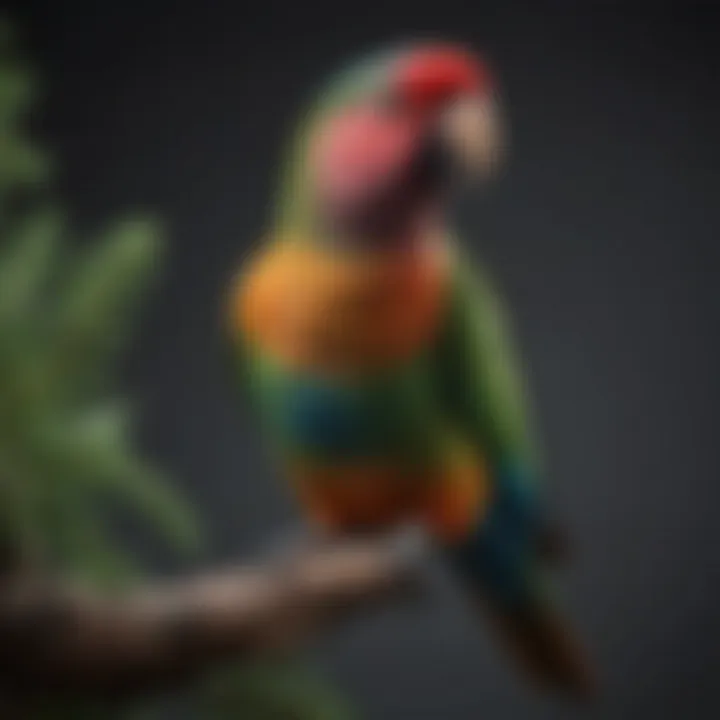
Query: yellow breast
point(312, 307)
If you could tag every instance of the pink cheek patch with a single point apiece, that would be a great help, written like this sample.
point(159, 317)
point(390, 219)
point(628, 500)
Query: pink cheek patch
point(356, 152)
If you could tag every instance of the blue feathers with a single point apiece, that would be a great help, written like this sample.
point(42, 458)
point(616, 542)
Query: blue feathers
point(324, 418)
point(498, 554)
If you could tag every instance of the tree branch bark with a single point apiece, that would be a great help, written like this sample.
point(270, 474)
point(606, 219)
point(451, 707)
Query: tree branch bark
point(55, 638)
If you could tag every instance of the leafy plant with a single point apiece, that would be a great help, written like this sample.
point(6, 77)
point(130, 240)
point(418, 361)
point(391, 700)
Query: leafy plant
point(65, 313)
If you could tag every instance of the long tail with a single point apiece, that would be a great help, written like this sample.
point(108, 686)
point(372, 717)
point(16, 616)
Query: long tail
point(544, 646)
point(502, 564)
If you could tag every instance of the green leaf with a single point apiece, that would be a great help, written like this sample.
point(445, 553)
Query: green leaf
point(98, 301)
point(110, 273)
point(272, 690)
point(92, 449)
point(148, 492)
point(80, 542)
point(17, 91)
point(27, 262)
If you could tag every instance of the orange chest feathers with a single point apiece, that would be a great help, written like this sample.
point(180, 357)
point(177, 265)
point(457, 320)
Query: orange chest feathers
point(314, 308)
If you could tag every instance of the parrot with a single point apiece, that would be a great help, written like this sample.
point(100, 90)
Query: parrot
point(378, 355)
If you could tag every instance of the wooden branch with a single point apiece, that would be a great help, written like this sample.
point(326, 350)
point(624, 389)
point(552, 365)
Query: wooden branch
point(60, 639)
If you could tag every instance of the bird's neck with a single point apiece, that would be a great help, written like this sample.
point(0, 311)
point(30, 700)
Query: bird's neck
point(416, 232)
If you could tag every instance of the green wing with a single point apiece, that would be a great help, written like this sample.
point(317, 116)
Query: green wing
point(480, 380)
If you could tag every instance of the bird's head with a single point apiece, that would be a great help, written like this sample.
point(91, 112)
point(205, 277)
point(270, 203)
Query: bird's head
point(391, 136)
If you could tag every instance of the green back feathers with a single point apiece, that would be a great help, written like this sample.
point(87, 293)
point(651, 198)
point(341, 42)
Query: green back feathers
point(479, 374)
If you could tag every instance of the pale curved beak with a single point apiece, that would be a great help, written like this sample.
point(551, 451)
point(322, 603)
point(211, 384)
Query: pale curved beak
point(472, 129)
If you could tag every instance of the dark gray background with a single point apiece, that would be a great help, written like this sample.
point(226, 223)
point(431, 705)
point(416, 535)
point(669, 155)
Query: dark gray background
point(602, 232)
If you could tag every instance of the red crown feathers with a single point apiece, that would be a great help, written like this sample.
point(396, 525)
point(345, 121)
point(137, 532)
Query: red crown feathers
point(430, 75)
